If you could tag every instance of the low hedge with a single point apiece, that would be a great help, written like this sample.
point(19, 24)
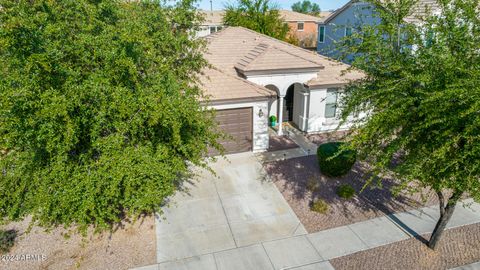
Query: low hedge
point(346, 191)
point(332, 165)
point(7, 240)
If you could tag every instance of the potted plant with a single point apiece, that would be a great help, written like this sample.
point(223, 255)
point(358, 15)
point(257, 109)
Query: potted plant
point(273, 120)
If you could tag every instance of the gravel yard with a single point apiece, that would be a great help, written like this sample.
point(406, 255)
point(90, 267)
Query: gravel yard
point(131, 246)
point(459, 246)
point(294, 178)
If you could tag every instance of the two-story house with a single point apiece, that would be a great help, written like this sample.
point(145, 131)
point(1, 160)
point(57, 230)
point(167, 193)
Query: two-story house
point(352, 16)
point(303, 26)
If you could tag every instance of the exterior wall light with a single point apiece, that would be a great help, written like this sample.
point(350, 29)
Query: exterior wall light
point(260, 113)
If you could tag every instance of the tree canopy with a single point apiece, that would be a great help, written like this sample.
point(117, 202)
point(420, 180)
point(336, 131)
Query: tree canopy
point(259, 15)
point(306, 7)
point(421, 96)
point(100, 112)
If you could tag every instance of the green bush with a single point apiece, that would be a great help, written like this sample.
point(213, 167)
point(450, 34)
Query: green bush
point(313, 184)
point(332, 164)
point(319, 206)
point(346, 191)
point(7, 239)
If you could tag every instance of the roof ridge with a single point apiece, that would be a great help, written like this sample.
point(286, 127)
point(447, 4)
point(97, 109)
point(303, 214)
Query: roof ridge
point(262, 47)
point(285, 51)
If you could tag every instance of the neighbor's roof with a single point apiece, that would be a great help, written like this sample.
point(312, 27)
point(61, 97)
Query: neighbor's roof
point(292, 16)
point(214, 17)
point(421, 10)
point(219, 86)
point(228, 50)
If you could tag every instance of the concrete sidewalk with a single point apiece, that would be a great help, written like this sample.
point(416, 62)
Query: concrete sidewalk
point(312, 251)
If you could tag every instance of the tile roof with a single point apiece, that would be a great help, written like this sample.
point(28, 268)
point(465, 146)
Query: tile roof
point(420, 11)
point(292, 16)
point(334, 74)
point(214, 17)
point(229, 47)
point(219, 86)
point(267, 57)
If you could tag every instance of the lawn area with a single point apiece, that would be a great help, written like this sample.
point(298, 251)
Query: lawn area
point(128, 247)
point(300, 182)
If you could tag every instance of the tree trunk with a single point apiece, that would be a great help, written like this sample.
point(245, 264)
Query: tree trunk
point(446, 213)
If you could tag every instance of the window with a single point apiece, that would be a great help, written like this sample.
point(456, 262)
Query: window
point(348, 31)
point(331, 103)
point(321, 34)
point(219, 28)
point(300, 26)
point(213, 29)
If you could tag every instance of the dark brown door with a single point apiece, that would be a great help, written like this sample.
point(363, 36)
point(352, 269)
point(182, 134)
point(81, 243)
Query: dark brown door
point(238, 124)
point(288, 106)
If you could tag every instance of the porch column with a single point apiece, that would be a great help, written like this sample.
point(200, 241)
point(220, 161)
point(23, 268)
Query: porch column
point(280, 115)
point(305, 108)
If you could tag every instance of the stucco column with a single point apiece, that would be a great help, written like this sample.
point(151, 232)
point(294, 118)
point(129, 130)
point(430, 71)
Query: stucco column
point(280, 115)
point(305, 109)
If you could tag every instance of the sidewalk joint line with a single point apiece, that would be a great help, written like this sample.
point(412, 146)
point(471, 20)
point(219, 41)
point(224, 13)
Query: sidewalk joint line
point(225, 213)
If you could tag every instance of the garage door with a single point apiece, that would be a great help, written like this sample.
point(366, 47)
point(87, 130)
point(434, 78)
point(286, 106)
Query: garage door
point(238, 124)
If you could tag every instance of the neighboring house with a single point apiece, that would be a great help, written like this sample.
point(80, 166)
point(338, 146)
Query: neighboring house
point(254, 76)
point(213, 22)
point(352, 16)
point(303, 27)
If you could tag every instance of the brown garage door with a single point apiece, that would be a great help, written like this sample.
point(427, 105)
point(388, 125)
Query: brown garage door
point(238, 124)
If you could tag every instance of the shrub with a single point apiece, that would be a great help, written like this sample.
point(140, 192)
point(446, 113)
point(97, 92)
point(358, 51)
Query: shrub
point(333, 164)
point(312, 184)
point(345, 191)
point(319, 206)
point(7, 239)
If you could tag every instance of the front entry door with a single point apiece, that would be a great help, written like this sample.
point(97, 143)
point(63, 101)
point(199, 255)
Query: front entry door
point(288, 106)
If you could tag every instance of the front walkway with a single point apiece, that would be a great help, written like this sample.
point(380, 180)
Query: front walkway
point(305, 147)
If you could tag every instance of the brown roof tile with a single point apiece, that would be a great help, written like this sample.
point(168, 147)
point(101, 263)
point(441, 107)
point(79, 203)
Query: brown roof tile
point(292, 16)
point(229, 47)
point(218, 85)
point(266, 57)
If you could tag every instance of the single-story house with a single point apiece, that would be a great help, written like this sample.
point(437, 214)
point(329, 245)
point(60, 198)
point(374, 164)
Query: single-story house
point(254, 76)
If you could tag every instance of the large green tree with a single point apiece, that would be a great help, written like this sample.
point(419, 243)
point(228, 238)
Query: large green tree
point(259, 15)
point(421, 96)
point(100, 115)
point(306, 7)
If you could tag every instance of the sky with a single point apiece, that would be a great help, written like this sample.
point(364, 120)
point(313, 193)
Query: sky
point(284, 4)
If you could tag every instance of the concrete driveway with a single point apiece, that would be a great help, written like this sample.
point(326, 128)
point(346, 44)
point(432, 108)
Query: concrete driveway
point(236, 208)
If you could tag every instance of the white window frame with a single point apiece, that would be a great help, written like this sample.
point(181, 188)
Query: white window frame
point(351, 31)
point(331, 91)
point(320, 32)
point(303, 26)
